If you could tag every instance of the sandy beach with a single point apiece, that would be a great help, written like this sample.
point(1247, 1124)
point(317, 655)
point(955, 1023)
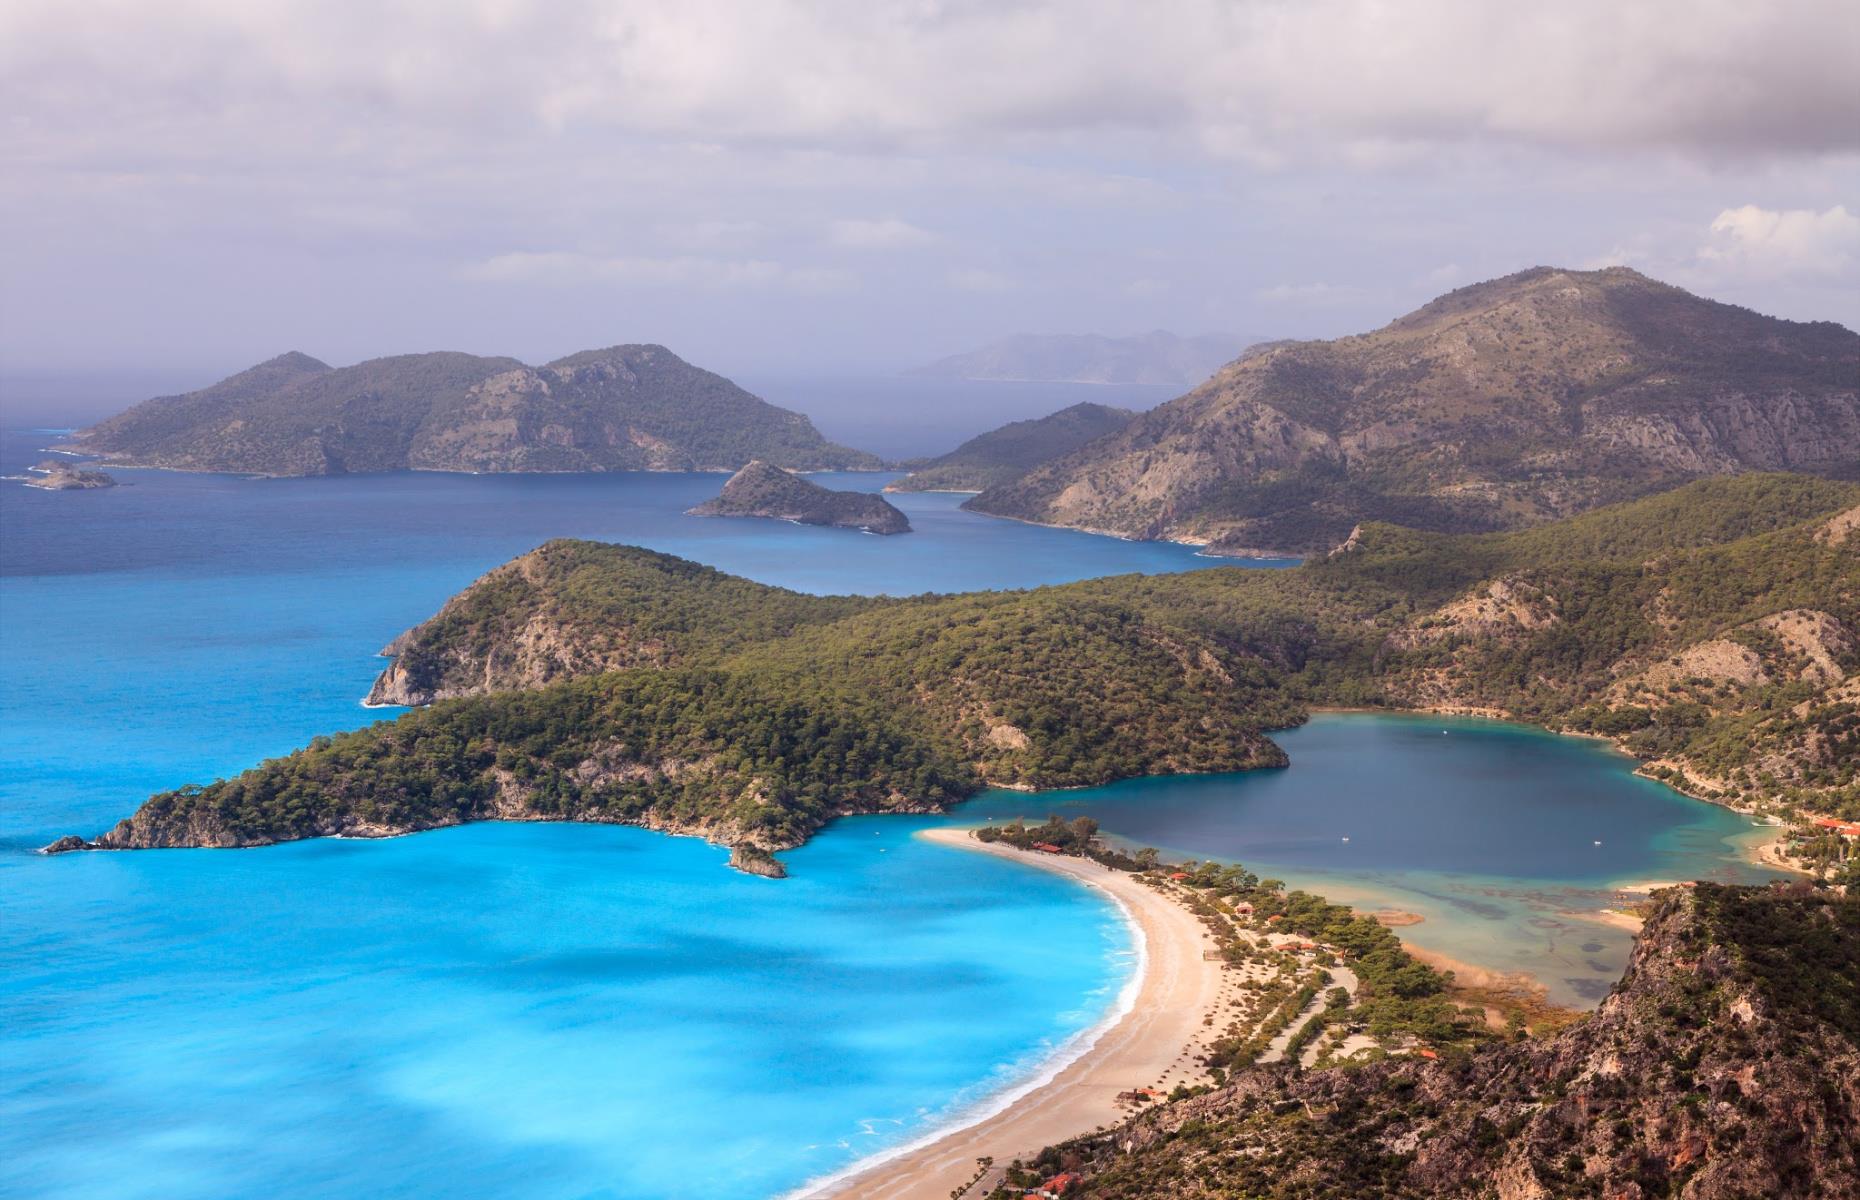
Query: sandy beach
point(1144, 1047)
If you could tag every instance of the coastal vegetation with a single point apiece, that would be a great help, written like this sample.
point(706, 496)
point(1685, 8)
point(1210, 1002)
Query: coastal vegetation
point(1713, 630)
point(1724, 1064)
point(637, 407)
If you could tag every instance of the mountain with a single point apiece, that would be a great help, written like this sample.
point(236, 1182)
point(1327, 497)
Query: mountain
point(763, 490)
point(1725, 1064)
point(1712, 631)
point(1011, 451)
point(619, 409)
point(1158, 357)
point(1500, 405)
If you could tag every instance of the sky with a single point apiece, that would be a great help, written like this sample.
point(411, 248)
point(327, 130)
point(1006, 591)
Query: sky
point(848, 186)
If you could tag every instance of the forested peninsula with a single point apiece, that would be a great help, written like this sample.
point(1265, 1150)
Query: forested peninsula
point(1711, 631)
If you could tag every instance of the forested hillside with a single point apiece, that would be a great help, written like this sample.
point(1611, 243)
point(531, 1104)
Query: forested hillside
point(1714, 631)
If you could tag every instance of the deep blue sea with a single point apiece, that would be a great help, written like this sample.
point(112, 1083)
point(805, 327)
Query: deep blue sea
point(566, 1011)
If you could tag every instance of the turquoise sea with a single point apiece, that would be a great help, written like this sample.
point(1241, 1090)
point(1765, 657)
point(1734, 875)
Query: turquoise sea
point(564, 1011)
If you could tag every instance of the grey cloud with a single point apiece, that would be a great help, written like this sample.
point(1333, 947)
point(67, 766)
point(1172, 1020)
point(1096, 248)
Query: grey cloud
point(1270, 80)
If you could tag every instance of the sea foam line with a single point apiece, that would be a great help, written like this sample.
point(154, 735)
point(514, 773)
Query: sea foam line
point(1048, 1069)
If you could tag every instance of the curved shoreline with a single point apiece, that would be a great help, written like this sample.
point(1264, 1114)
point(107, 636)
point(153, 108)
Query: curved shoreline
point(1144, 1037)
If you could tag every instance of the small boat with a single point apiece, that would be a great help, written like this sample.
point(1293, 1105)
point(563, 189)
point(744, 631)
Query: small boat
point(1598, 843)
point(1346, 838)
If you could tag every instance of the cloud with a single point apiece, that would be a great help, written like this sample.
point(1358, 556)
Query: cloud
point(888, 233)
point(1311, 295)
point(1771, 243)
point(681, 272)
point(978, 279)
point(1356, 82)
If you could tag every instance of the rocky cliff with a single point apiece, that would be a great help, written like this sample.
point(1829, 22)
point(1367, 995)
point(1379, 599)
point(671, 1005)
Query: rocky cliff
point(764, 490)
point(1725, 1064)
point(1504, 404)
point(622, 408)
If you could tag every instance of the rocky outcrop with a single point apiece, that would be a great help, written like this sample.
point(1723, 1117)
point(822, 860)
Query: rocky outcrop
point(624, 408)
point(753, 861)
point(764, 490)
point(1725, 1064)
point(57, 475)
point(1508, 403)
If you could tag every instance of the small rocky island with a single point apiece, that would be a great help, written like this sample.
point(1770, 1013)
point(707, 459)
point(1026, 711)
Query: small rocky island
point(55, 475)
point(764, 490)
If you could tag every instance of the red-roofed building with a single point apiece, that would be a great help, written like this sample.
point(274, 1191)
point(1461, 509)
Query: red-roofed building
point(1048, 847)
point(1179, 875)
point(1058, 1185)
point(1844, 828)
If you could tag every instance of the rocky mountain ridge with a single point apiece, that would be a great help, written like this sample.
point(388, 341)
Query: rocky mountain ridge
point(1505, 404)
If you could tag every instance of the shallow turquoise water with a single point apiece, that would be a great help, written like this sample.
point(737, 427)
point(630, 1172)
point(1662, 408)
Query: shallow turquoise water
point(532, 1011)
point(544, 1011)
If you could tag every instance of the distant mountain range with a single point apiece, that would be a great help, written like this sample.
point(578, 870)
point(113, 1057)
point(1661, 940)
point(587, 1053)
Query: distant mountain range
point(1158, 357)
point(1503, 404)
point(1009, 452)
point(622, 408)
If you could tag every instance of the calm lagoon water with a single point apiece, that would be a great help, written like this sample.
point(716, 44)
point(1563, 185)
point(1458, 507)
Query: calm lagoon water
point(562, 1011)
point(1488, 830)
